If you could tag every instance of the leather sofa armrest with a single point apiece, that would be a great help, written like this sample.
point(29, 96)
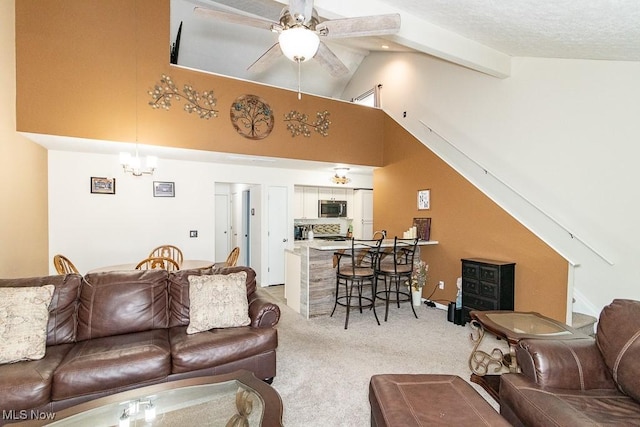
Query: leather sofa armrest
point(262, 311)
point(566, 364)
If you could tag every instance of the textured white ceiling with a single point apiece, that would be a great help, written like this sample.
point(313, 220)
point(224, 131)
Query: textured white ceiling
point(575, 29)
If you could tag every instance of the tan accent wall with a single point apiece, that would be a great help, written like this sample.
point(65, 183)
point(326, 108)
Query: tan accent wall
point(465, 222)
point(85, 70)
point(23, 175)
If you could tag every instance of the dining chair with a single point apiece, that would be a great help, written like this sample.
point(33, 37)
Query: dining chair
point(232, 259)
point(63, 265)
point(355, 269)
point(158, 263)
point(167, 251)
point(395, 270)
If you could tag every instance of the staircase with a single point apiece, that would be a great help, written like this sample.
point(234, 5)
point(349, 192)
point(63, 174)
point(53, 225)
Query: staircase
point(583, 323)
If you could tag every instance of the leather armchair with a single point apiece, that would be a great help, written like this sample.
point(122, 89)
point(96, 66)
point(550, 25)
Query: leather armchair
point(579, 382)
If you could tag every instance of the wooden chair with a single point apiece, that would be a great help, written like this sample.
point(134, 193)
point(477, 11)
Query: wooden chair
point(232, 259)
point(167, 251)
point(158, 263)
point(63, 265)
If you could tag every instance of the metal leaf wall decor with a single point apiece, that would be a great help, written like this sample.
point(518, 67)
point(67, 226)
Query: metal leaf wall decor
point(251, 117)
point(195, 102)
point(298, 123)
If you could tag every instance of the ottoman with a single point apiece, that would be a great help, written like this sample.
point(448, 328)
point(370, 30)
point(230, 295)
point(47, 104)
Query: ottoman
point(426, 400)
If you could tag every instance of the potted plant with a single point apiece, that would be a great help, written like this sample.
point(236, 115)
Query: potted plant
point(418, 280)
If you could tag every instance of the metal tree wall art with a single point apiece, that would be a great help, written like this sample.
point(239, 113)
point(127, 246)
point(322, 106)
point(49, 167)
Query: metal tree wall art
point(200, 103)
point(298, 123)
point(251, 117)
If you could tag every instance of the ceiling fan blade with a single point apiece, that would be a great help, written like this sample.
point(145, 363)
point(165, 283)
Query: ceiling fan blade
point(267, 59)
point(235, 18)
point(330, 61)
point(375, 25)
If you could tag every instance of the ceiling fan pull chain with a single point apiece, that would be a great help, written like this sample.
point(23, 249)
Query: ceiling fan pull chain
point(299, 94)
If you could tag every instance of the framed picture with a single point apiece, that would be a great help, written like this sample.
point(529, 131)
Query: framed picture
point(103, 185)
point(424, 197)
point(423, 228)
point(163, 189)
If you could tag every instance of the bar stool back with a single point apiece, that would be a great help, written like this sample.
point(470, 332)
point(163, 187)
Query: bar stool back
point(394, 270)
point(355, 269)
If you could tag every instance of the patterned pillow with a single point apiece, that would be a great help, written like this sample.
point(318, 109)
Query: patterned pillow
point(217, 301)
point(24, 313)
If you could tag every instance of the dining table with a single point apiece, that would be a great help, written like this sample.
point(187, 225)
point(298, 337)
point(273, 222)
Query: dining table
point(187, 264)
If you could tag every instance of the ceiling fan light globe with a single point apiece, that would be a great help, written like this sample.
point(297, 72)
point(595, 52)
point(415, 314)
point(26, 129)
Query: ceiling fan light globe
point(299, 44)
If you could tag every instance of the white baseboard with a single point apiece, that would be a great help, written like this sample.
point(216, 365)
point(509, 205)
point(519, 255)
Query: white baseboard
point(441, 306)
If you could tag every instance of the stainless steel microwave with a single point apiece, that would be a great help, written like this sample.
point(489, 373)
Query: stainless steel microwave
point(332, 208)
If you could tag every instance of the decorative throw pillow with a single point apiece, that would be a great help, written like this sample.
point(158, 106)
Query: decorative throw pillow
point(217, 301)
point(24, 314)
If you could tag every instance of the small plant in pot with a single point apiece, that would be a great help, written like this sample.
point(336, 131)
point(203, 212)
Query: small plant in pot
point(418, 279)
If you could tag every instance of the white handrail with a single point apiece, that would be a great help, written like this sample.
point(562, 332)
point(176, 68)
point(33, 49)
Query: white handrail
point(514, 191)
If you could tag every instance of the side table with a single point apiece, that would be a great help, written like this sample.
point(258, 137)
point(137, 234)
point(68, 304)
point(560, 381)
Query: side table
point(512, 326)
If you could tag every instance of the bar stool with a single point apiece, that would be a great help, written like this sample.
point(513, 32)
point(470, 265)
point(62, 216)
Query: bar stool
point(355, 269)
point(395, 273)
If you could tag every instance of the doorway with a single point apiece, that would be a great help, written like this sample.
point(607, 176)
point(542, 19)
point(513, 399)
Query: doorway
point(234, 223)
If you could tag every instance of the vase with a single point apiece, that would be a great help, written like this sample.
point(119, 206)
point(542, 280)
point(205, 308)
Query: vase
point(416, 297)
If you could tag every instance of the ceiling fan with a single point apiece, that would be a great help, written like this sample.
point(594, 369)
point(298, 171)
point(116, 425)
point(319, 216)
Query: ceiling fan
point(300, 31)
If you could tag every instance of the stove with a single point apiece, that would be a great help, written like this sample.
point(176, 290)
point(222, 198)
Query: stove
point(332, 238)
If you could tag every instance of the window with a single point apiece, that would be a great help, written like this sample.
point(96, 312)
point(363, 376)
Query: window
point(370, 98)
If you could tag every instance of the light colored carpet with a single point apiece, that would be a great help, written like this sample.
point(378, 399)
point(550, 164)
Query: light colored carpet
point(323, 370)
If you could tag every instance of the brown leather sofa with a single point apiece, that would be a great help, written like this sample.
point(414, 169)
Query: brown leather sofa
point(115, 331)
point(579, 382)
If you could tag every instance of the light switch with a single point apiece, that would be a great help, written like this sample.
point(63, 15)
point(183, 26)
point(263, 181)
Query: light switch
point(193, 233)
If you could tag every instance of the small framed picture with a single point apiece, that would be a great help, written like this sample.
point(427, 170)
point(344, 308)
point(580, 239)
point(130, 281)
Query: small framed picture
point(424, 197)
point(163, 189)
point(423, 228)
point(103, 185)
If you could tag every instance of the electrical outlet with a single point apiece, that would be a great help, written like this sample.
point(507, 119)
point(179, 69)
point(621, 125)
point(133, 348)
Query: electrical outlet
point(441, 284)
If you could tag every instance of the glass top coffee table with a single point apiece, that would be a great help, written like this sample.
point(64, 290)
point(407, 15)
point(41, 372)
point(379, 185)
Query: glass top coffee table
point(236, 399)
point(511, 326)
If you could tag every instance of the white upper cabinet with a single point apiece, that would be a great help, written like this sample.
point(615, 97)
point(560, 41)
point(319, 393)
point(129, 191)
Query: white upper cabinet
point(328, 193)
point(306, 199)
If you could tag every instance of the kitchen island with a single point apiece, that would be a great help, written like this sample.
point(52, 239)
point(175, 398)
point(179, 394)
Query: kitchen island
point(311, 292)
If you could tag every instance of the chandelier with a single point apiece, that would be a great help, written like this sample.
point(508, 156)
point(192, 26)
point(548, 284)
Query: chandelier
point(133, 165)
point(340, 176)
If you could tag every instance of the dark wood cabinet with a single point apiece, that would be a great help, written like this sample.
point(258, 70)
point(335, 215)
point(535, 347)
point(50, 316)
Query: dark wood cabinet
point(487, 285)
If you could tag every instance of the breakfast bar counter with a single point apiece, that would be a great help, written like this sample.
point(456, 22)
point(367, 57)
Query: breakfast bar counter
point(317, 278)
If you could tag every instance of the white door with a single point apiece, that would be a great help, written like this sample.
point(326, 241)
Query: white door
point(236, 220)
point(276, 233)
point(245, 256)
point(222, 227)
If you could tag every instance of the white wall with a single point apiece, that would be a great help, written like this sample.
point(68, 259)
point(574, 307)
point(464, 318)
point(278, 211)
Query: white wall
point(96, 230)
point(564, 134)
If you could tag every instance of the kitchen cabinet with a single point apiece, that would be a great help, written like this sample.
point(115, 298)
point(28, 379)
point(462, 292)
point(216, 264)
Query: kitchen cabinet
point(298, 202)
point(305, 202)
point(487, 285)
point(328, 193)
point(363, 214)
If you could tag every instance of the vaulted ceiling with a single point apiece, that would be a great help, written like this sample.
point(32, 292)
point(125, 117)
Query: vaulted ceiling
point(479, 35)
